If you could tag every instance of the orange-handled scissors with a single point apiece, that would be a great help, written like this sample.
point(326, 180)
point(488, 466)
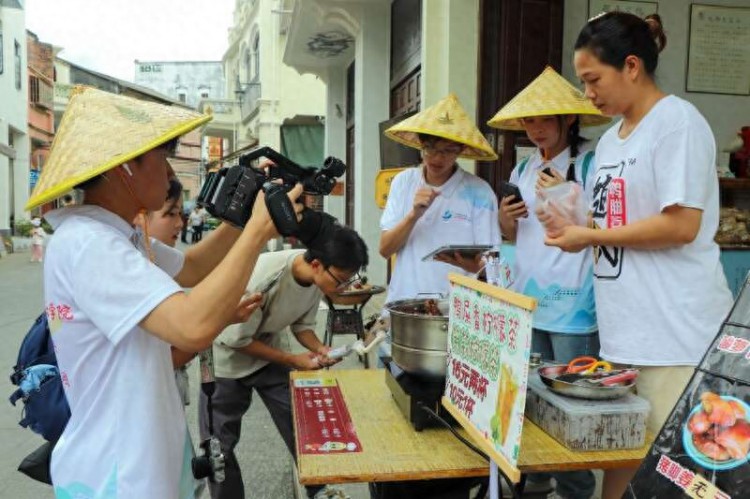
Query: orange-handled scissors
point(587, 364)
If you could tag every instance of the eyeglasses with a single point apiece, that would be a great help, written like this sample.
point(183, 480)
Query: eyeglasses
point(448, 151)
point(344, 284)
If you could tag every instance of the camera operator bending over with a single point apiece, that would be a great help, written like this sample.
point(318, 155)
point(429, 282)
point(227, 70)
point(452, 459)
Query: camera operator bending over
point(438, 203)
point(114, 299)
point(249, 356)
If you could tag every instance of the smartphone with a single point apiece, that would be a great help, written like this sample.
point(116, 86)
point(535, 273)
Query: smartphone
point(509, 189)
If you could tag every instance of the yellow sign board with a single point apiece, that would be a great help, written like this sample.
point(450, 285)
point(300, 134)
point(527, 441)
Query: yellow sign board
point(383, 185)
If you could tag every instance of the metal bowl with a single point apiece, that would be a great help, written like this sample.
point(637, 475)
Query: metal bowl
point(414, 327)
point(549, 375)
point(428, 363)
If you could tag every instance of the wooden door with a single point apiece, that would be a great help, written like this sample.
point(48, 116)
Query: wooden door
point(350, 143)
point(518, 39)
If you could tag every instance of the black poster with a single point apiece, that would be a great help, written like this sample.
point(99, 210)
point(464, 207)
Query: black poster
point(703, 450)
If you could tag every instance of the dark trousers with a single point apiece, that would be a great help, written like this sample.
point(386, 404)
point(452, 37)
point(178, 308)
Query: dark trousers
point(197, 233)
point(230, 401)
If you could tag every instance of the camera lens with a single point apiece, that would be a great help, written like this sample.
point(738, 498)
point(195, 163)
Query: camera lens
point(334, 166)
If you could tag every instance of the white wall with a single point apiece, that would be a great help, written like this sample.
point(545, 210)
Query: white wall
point(13, 119)
point(450, 41)
point(725, 113)
point(335, 131)
point(372, 95)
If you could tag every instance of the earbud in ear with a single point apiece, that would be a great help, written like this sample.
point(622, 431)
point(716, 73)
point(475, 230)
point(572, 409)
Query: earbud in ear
point(127, 169)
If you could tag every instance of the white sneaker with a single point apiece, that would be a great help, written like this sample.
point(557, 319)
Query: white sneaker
point(331, 492)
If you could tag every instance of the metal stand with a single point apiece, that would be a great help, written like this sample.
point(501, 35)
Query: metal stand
point(346, 321)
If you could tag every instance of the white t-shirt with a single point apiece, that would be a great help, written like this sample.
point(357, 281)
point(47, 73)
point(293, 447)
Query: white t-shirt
point(562, 283)
point(465, 212)
point(127, 435)
point(287, 303)
point(37, 236)
point(660, 307)
point(196, 218)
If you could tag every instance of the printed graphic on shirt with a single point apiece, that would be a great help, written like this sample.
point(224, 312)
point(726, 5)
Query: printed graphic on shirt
point(609, 210)
point(57, 314)
point(564, 309)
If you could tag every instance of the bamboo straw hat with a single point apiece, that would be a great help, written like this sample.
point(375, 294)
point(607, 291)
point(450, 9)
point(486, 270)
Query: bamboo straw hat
point(447, 120)
point(99, 131)
point(548, 95)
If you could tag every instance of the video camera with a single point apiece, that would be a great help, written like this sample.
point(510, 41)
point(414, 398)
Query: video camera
point(230, 192)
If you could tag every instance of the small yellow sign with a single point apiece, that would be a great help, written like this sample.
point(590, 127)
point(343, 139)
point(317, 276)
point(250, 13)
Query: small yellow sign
point(383, 184)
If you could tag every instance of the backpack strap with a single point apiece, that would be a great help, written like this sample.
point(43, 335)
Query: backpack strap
point(586, 164)
point(522, 166)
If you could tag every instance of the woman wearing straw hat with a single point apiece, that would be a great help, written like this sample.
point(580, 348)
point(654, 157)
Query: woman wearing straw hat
point(438, 203)
point(115, 300)
point(551, 111)
point(661, 295)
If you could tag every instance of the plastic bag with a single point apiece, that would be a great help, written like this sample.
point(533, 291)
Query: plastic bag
point(561, 205)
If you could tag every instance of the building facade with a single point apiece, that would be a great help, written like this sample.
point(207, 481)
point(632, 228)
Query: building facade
point(267, 102)
point(188, 82)
point(41, 127)
point(14, 140)
point(185, 81)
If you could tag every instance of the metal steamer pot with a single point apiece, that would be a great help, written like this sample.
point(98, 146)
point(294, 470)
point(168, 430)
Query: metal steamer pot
point(419, 339)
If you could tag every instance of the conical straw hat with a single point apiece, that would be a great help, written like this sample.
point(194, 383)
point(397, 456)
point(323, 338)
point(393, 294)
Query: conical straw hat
point(448, 120)
point(549, 94)
point(99, 131)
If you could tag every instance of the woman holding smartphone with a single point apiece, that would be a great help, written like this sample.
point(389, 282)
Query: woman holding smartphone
point(661, 294)
point(551, 111)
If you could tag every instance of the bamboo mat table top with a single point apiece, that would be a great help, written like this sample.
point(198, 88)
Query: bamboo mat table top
point(394, 451)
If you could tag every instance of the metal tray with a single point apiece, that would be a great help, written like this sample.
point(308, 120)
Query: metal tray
point(549, 375)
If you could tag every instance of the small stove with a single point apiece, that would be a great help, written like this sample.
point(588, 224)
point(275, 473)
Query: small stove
point(411, 391)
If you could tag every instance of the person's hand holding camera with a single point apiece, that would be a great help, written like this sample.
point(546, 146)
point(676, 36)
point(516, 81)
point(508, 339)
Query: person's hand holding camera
point(261, 219)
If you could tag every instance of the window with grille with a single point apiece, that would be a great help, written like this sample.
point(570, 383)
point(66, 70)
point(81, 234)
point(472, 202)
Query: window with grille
point(17, 56)
point(33, 89)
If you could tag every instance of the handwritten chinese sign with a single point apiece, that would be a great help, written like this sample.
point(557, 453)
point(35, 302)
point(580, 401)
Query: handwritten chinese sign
point(489, 340)
point(719, 50)
point(640, 9)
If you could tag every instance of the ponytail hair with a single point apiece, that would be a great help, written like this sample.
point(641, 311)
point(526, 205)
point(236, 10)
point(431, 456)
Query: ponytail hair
point(614, 36)
point(574, 136)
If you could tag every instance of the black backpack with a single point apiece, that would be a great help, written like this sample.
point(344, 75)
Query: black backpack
point(45, 408)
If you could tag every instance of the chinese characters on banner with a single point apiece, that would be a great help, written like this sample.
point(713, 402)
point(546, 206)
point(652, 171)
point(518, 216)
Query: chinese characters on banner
point(489, 340)
point(703, 450)
point(324, 425)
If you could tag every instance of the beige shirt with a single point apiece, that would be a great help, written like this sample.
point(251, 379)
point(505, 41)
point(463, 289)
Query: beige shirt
point(286, 304)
